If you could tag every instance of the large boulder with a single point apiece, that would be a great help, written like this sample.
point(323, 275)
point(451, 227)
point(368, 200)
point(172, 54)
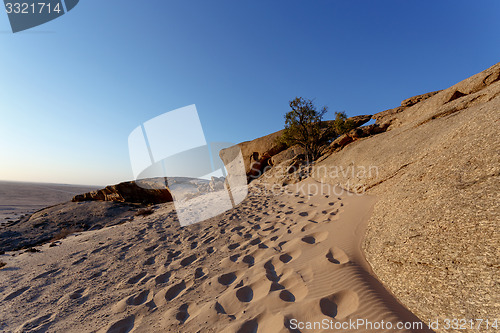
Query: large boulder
point(129, 192)
point(256, 153)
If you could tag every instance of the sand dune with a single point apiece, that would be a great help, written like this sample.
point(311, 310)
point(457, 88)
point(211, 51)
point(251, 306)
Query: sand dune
point(276, 259)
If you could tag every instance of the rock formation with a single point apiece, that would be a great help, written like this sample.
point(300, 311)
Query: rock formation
point(128, 192)
point(266, 151)
point(433, 236)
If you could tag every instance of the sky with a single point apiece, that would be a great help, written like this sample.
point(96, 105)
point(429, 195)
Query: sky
point(74, 89)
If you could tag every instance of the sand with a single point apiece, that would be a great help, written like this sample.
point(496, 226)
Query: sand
point(277, 259)
point(22, 198)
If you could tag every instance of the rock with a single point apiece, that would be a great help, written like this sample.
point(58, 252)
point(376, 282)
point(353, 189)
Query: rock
point(287, 154)
point(341, 141)
point(433, 236)
point(416, 99)
point(360, 120)
point(216, 184)
point(128, 192)
point(256, 153)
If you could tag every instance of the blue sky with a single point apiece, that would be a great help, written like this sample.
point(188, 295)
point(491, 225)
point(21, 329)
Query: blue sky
point(72, 90)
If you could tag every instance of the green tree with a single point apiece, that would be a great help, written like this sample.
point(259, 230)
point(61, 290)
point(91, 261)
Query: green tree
point(341, 124)
point(304, 126)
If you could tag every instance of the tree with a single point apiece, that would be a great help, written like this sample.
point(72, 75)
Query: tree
point(341, 124)
point(304, 126)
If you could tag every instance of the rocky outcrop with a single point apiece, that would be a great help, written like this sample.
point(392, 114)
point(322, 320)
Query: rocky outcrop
point(433, 236)
point(256, 153)
point(355, 134)
point(385, 118)
point(359, 120)
point(129, 192)
point(417, 99)
point(267, 151)
point(287, 154)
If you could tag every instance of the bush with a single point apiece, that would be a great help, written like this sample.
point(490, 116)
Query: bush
point(341, 124)
point(304, 126)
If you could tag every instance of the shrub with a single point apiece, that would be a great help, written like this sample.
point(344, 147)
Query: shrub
point(304, 126)
point(341, 124)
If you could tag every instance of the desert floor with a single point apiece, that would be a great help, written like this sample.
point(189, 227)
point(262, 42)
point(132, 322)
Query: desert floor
point(278, 258)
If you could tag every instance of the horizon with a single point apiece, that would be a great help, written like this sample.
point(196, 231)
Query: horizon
point(73, 90)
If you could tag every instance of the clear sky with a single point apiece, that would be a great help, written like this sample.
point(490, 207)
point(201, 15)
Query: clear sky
point(72, 90)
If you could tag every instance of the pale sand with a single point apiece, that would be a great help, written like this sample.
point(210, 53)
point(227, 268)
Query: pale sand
point(252, 269)
point(20, 198)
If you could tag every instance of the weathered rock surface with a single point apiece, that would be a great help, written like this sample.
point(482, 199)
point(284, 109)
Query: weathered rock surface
point(256, 153)
point(433, 238)
point(416, 99)
point(287, 154)
point(127, 192)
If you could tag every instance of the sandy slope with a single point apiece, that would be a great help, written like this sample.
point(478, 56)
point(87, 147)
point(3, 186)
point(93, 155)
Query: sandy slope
point(274, 258)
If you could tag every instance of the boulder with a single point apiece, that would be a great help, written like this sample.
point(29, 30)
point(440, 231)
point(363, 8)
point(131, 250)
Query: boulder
point(286, 154)
point(128, 192)
point(256, 153)
point(360, 120)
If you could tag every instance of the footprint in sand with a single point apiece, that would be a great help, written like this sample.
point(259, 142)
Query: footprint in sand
point(234, 257)
point(39, 324)
point(287, 296)
point(289, 256)
point(208, 240)
point(255, 241)
point(138, 299)
point(233, 246)
point(15, 294)
point(182, 315)
point(315, 238)
point(79, 261)
point(136, 278)
point(248, 259)
point(150, 249)
point(99, 249)
point(200, 272)
point(188, 260)
point(249, 326)
point(163, 278)
point(227, 279)
point(175, 290)
point(339, 305)
point(337, 256)
point(244, 294)
point(149, 261)
point(122, 326)
point(77, 293)
point(271, 274)
point(45, 274)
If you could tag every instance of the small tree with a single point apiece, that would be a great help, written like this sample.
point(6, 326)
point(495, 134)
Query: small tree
point(341, 124)
point(304, 127)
